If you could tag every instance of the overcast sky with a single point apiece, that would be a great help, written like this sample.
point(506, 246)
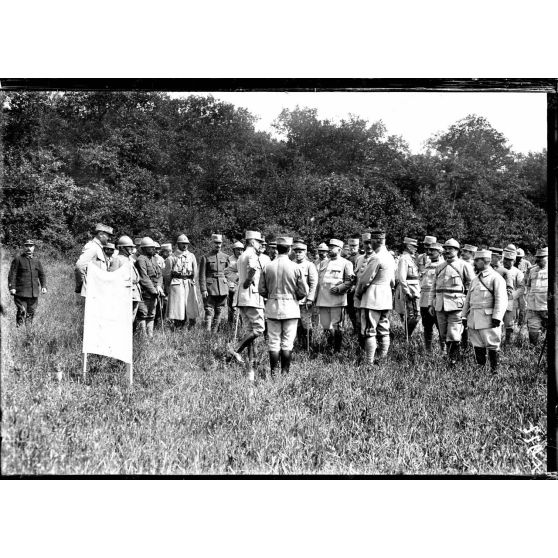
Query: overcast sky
point(521, 117)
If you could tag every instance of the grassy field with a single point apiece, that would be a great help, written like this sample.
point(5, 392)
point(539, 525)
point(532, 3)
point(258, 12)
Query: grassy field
point(191, 412)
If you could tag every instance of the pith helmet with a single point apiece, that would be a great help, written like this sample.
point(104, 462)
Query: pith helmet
point(125, 241)
point(509, 254)
point(253, 235)
point(485, 254)
point(541, 252)
point(217, 237)
point(147, 242)
point(99, 227)
point(520, 253)
point(323, 247)
point(336, 242)
point(182, 238)
point(511, 247)
point(284, 240)
point(429, 240)
point(451, 243)
point(238, 244)
point(411, 241)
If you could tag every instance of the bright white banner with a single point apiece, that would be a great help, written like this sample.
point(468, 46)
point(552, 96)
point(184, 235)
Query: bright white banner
point(107, 323)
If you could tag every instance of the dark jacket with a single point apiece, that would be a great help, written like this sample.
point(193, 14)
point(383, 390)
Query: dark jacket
point(26, 276)
point(150, 276)
point(213, 270)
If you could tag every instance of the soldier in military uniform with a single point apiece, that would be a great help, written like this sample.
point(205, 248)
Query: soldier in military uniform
point(310, 274)
point(323, 252)
point(92, 252)
point(518, 286)
point(422, 260)
point(536, 286)
point(361, 263)
point(282, 284)
point(335, 278)
point(151, 282)
point(137, 250)
point(166, 250)
point(408, 288)
point(181, 269)
point(264, 258)
point(484, 309)
point(26, 279)
point(352, 256)
point(158, 258)
point(523, 264)
point(248, 299)
point(108, 249)
point(426, 281)
point(213, 283)
point(272, 250)
point(452, 280)
point(124, 257)
point(231, 273)
point(374, 289)
point(467, 255)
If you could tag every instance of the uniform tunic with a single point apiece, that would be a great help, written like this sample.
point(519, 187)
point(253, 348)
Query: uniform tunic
point(408, 275)
point(447, 296)
point(213, 274)
point(92, 252)
point(248, 300)
point(518, 287)
point(27, 277)
point(150, 278)
point(180, 273)
point(486, 300)
point(310, 274)
point(336, 272)
point(536, 286)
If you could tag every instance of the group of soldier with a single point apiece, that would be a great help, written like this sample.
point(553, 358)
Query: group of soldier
point(470, 295)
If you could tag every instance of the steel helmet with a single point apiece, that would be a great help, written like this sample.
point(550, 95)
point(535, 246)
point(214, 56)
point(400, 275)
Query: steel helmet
point(182, 238)
point(147, 242)
point(125, 242)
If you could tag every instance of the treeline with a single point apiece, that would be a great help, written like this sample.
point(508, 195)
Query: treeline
point(146, 163)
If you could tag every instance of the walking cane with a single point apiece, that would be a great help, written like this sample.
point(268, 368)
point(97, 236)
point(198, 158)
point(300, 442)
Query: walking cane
point(161, 315)
point(406, 328)
point(543, 348)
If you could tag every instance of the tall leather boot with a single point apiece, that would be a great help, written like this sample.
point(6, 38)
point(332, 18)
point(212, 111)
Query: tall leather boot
point(509, 334)
point(411, 325)
point(533, 337)
point(453, 352)
point(217, 319)
point(274, 357)
point(285, 361)
point(480, 355)
point(383, 342)
point(246, 341)
point(494, 358)
point(370, 345)
point(337, 340)
point(149, 328)
point(465, 339)
point(428, 340)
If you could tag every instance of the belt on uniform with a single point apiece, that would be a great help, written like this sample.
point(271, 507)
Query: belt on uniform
point(280, 296)
point(460, 291)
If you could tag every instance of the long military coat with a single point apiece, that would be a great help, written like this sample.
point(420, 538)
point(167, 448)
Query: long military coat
point(487, 299)
point(376, 282)
point(179, 274)
point(26, 276)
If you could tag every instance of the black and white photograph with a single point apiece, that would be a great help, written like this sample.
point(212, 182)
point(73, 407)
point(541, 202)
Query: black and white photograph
point(271, 280)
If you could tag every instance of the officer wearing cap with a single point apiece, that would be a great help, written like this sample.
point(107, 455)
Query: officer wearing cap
point(26, 279)
point(108, 249)
point(361, 263)
point(248, 299)
point(92, 252)
point(427, 279)
point(231, 274)
point(335, 278)
point(353, 254)
point(282, 284)
point(408, 288)
point(310, 274)
point(452, 279)
point(422, 260)
point(523, 264)
point(151, 282)
point(124, 257)
point(467, 254)
point(264, 258)
point(213, 283)
point(498, 266)
point(536, 289)
point(323, 252)
point(484, 309)
point(181, 269)
point(272, 249)
point(518, 285)
point(374, 289)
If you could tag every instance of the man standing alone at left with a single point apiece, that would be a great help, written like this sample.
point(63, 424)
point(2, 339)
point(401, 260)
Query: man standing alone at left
point(25, 279)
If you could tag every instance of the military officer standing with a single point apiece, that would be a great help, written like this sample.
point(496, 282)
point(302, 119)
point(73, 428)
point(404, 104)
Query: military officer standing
point(92, 252)
point(282, 284)
point(484, 309)
point(213, 283)
point(422, 260)
point(536, 286)
point(323, 252)
point(518, 286)
point(108, 249)
point(523, 264)
point(158, 258)
point(248, 299)
point(26, 279)
point(272, 250)
point(352, 256)
point(264, 258)
point(408, 288)
point(180, 273)
point(125, 250)
point(151, 281)
point(467, 255)
point(335, 278)
point(166, 250)
point(310, 274)
point(231, 273)
point(452, 280)
point(374, 289)
point(426, 281)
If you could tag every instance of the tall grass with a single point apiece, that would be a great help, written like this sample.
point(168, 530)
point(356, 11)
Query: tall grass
point(190, 411)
